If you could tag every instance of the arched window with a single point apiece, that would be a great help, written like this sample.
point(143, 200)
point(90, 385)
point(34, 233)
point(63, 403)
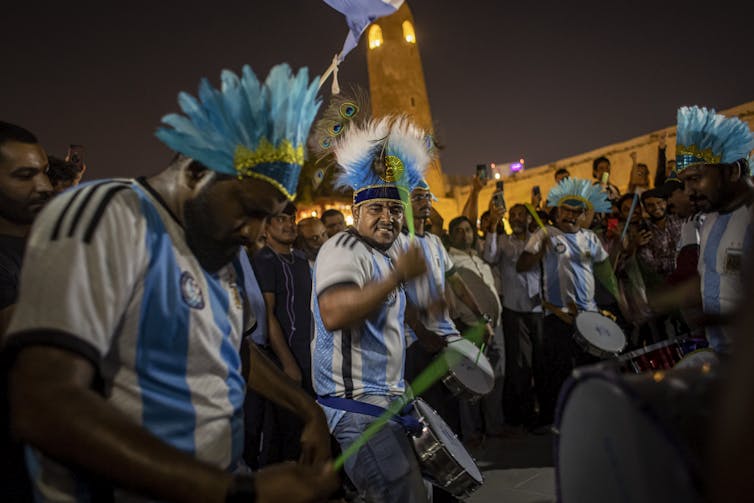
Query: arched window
point(408, 32)
point(375, 36)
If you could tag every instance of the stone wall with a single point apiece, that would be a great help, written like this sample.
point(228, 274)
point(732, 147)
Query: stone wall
point(518, 189)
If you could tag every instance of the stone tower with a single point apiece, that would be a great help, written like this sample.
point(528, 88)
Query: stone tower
point(396, 78)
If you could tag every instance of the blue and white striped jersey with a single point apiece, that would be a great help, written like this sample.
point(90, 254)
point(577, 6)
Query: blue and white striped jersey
point(367, 359)
point(726, 239)
point(568, 266)
point(430, 287)
point(108, 266)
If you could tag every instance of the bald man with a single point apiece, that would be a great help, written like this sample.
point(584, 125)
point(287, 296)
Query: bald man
point(311, 236)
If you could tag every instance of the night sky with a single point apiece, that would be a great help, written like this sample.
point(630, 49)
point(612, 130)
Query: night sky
point(504, 78)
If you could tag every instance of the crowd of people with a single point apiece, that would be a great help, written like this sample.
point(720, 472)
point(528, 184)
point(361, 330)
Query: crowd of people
point(200, 344)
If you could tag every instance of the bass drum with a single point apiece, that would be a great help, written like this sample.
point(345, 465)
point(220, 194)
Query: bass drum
point(633, 438)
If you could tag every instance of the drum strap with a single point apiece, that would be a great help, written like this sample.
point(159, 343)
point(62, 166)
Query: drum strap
point(409, 422)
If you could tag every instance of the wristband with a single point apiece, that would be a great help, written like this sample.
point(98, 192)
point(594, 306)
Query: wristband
point(242, 489)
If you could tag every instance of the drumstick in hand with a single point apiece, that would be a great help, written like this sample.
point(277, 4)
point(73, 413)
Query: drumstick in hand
point(430, 375)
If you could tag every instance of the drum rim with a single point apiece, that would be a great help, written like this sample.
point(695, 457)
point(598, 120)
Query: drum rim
point(442, 445)
point(602, 352)
point(581, 376)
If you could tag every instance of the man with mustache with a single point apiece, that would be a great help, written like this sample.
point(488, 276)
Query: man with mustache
point(359, 306)
point(128, 384)
point(659, 254)
point(712, 161)
point(311, 235)
point(570, 255)
point(24, 189)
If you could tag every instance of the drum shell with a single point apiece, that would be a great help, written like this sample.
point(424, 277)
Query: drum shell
point(659, 356)
point(438, 465)
point(458, 390)
point(590, 348)
point(675, 405)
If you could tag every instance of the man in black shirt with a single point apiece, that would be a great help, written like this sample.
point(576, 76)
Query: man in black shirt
point(285, 280)
point(24, 189)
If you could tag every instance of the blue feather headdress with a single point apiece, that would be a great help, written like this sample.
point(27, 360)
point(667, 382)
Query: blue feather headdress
point(575, 192)
point(382, 157)
point(704, 136)
point(248, 128)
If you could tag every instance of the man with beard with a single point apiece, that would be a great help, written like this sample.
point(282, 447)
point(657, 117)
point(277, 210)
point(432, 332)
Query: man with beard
point(128, 384)
point(24, 189)
point(286, 283)
point(311, 235)
point(658, 255)
point(477, 272)
point(522, 316)
point(427, 293)
point(572, 257)
point(711, 158)
point(359, 304)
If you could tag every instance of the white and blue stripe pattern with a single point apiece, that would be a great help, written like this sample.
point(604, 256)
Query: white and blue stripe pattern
point(429, 288)
point(726, 238)
point(167, 333)
point(367, 359)
point(568, 266)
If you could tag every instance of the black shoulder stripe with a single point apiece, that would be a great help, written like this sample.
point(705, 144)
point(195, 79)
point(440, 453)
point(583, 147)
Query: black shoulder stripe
point(340, 239)
point(346, 241)
point(354, 242)
point(100, 211)
point(83, 205)
point(59, 223)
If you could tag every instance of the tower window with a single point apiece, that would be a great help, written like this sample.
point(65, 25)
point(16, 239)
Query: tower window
point(375, 36)
point(408, 32)
point(413, 102)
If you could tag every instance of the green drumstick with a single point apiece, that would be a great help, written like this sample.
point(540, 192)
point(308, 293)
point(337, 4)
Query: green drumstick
point(430, 375)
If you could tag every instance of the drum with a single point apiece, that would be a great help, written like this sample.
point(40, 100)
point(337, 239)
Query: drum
point(470, 375)
point(598, 335)
point(443, 459)
point(634, 438)
point(659, 356)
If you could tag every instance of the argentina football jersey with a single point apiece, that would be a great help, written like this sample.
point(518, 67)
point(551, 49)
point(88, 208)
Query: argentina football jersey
point(726, 239)
point(568, 266)
point(429, 288)
point(130, 296)
point(338, 356)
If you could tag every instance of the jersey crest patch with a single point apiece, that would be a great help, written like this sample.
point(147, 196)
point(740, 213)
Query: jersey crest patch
point(191, 292)
point(560, 248)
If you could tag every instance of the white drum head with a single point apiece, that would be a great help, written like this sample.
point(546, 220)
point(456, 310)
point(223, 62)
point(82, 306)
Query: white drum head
point(698, 359)
point(600, 331)
point(448, 439)
point(476, 375)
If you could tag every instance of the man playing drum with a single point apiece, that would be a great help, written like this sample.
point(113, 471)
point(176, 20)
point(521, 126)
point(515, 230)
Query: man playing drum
point(571, 257)
point(358, 302)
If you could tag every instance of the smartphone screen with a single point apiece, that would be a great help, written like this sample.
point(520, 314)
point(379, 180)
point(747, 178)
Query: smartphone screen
point(482, 171)
point(75, 155)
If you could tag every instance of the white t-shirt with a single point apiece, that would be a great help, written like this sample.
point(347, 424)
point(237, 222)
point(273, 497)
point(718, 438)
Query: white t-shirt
point(109, 268)
point(367, 359)
point(430, 287)
point(517, 288)
point(568, 266)
point(725, 239)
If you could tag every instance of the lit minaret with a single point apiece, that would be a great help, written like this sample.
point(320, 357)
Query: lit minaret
point(396, 78)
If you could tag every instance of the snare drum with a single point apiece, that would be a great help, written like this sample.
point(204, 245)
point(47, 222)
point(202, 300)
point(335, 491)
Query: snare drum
point(443, 459)
point(598, 335)
point(470, 375)
point(659, 356)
